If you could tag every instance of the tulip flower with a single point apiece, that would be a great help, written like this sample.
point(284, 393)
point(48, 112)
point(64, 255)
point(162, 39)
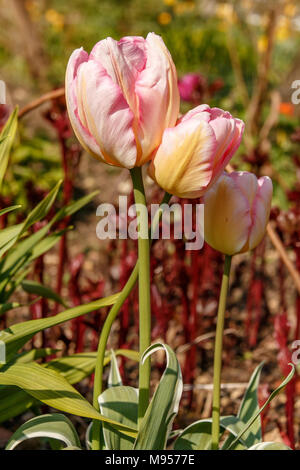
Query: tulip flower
point(121, 97)
point(236, 212)
point(194, 153)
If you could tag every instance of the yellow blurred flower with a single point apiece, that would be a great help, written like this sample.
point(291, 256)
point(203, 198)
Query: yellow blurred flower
point(183, 7)
point(164, 18)
point(169, 3)
point(290, 10)
point(281, 138)
point(225, 11)
point(55, 18)
point(284, 29)
point(262, 43)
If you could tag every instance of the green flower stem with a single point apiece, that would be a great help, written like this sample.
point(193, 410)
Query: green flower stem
point(144, 290)
point(96, 431)
point(218, 355)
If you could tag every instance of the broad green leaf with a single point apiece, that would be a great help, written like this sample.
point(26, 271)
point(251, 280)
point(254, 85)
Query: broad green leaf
point(54, 390)
point(7, 137)
point(14, 401)
point(155, 427)
point(114, 378)
point(248, 408)
point(257, 414)
point(53, 426)
point(270, 446)
point(197, 436)
point(17, 335)
point(33, 287)
point(9, 209)
point(120, 404)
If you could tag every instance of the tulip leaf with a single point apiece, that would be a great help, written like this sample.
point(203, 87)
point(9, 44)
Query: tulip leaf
point(9, 209)
point(120, 404)
point(197, 436)
point(33, 287)
point(17, 335)
point(257, 414)
point(248, 408)
point(52, 426)
point(114, 378)
point(41, 209)
point(51, 388)
point(7, 137)
point(155, 427)
point(14, 401)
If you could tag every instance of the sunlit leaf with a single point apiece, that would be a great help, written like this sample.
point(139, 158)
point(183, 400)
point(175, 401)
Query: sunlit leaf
point(53, 426)
point(14, 401)
point(7, 137)
point(51, 388)
point(17, 335)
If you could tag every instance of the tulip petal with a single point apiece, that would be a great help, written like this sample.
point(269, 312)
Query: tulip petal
point(228, 133)
point(106, 114)
point(122, 61)
point(183, 162)
point(78, 57)
point(260, 211)
point(158, 96)
point(227, 217)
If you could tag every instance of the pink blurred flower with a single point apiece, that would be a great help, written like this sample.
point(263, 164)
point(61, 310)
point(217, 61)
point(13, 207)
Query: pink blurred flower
point(194, 153)
point(192, 87)
point(236, 212)
point(122, 97)
point(4, 113)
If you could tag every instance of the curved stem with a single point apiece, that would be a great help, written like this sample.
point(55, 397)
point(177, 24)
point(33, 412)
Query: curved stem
point(144, 289)
point(98, 386)
point(218, 355)
point(96, 430)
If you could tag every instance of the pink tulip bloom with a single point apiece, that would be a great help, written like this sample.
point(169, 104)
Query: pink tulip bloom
point(194, 153)
point(122, 97)
point(236, 212)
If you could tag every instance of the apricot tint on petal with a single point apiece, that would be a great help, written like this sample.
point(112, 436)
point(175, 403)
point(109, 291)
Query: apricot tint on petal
point(195, 152)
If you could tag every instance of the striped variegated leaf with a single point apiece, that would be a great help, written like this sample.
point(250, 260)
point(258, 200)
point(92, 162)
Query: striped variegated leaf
point(120, 404)
point(53, 426)
point(156, 425)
